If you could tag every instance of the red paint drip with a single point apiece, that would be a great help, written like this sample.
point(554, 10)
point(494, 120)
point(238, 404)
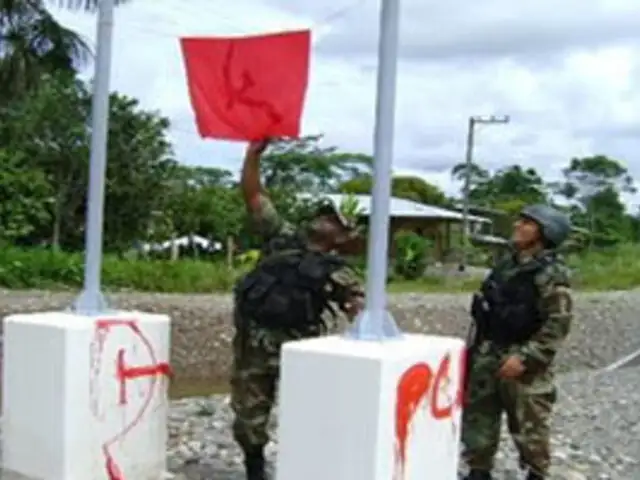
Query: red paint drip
point(113, 471)
point(417, 384)
point(412, 388)
point(124, 374)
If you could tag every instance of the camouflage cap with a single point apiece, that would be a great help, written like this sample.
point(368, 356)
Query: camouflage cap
point(327, 207)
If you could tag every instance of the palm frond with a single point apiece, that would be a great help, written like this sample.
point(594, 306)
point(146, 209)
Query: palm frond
point(59, 45)
point(33, 43)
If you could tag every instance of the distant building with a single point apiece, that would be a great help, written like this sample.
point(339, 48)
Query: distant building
point(435, 223)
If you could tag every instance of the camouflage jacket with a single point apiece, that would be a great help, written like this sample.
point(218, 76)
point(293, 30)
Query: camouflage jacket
point(270, 224)
point(556, 308)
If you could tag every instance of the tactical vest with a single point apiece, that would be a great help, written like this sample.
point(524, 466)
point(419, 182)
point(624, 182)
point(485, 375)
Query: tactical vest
point(514, 314)
point(290, 287)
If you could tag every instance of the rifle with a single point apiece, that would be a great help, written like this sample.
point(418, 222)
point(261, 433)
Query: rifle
point(475, 334)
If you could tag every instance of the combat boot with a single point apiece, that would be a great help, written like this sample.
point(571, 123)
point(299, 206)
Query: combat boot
point(475, 474)
point(254, 464)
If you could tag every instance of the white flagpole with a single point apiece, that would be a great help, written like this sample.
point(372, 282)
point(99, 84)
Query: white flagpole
point(376, 323)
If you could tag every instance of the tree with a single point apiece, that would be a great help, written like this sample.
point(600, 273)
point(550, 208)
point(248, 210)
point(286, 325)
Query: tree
point(478, 176)
point(585, 177)
point(507, 190)
point(407, 187)
point(33, 44)
point(361, 185)
point(212, 211)
point(418, 190)
point(24, 195)
point(516, 182)
point(304, 165)
point(50, 128)
point(139, 170)
point(594, 185)
point(609, 223)
point(512, 186)
point(204, 176)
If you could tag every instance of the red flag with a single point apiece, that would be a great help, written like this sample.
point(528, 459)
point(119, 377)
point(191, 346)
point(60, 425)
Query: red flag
point(248, 88)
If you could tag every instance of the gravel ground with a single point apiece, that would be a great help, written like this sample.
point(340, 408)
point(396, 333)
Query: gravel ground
point(595, 436)
point(597, 431)
point(606, 326)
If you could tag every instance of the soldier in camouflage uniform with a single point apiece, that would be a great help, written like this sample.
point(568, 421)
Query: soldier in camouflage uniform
point(259, 336)
point(522, 315)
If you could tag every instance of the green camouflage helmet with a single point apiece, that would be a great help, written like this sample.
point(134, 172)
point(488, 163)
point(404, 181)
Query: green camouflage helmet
point(555, 226)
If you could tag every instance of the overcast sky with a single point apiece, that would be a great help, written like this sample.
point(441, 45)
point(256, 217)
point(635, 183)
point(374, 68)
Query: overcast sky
point(568, 74)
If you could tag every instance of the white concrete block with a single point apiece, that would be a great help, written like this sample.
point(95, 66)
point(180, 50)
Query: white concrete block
point(356, 410)
point(85, 398)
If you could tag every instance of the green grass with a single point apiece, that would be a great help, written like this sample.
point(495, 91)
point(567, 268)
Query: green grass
point(45, 269)
point(615, 269)
point(435, 285)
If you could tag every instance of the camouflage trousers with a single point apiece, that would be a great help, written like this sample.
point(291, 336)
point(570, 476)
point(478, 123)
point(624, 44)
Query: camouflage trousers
point(254, 379)
point(527, 402)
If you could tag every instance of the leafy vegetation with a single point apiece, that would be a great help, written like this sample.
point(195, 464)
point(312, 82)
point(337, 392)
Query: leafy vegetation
point(412, 255)
point(152, 198)
point(617, 268)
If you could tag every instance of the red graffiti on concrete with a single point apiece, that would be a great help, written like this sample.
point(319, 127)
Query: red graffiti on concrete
point(124, 373)
point(411, 390)
point(419, 385)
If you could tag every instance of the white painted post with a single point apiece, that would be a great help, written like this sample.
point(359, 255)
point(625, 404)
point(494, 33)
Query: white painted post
point(378, 404)
point(85, 397)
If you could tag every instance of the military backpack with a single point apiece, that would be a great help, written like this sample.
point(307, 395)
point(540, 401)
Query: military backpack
point(291, 287)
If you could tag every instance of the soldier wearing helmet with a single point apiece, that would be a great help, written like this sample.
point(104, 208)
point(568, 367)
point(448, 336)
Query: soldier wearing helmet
point(522, 314)
point(291, 294)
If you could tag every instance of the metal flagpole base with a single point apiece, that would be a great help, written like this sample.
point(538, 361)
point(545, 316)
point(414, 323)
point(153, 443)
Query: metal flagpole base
point(89, 303)
point(366, 327)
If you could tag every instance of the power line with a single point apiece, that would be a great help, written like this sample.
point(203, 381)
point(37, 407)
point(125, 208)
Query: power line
point(341, 12)
point(330, 18)
point(326, 21)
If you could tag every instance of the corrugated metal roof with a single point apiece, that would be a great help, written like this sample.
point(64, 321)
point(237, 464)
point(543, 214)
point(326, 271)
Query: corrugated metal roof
point(405, 208)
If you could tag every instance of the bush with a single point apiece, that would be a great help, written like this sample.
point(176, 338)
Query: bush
point(47, 269)
point(606, 269)
point(39, 268)
point(411, 255)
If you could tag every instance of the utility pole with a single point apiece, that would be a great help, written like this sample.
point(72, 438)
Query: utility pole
point(473, 121)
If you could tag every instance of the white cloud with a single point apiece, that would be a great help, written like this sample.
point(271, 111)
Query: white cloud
point(568, 74)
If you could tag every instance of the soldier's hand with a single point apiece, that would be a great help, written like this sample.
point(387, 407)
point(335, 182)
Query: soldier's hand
point(511, 368)
point(257, 147)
